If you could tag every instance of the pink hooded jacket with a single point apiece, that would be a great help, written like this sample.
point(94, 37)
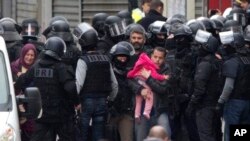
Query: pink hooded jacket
point(145, 62)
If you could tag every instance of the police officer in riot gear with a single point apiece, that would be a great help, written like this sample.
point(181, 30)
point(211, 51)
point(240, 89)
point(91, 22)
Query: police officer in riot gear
point(60, 28)
point(10, 32)
point(30, 33)
point(121, 110)
point(95, 82)
point(183, 67)
point(56, 82)
point(114, 28)
point(206, 88)
point(235, 93)
point(98, 23)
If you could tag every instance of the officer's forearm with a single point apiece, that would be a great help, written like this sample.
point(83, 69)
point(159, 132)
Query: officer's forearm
point(227, 90)
point(114, 86)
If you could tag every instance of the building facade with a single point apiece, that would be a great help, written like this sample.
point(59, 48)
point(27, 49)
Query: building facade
point(77, 11)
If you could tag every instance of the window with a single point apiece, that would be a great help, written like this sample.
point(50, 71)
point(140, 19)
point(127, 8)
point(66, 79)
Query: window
point(4, 82)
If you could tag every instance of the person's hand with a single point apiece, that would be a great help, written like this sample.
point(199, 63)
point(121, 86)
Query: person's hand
point(21, 108)
point(144, 93)
point(19, 73)
point(171, 36)
point(167, 77)
point(145, 73)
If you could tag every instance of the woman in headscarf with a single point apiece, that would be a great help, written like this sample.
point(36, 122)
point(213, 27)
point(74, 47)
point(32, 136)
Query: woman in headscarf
point(21, 65)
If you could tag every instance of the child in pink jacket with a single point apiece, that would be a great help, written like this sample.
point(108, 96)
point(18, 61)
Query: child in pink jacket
point(144, 62)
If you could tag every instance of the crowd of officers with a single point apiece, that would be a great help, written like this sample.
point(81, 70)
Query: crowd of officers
point(86, 95)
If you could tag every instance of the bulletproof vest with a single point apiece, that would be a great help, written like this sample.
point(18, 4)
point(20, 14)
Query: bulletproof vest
point(184, 70)
point(242, 82)
point(55, 103)
point(98, 77)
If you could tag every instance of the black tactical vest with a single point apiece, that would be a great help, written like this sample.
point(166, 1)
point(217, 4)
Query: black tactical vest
point(98, 77)
point(242, 82)
point(54, 100)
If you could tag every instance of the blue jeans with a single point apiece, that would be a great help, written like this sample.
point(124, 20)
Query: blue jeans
point(163, 120)
point(96, 109)
point(236, 112)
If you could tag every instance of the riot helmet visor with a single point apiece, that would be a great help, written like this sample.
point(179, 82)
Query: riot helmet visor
point(117, 28)
point(202, 36)
point(226, 37)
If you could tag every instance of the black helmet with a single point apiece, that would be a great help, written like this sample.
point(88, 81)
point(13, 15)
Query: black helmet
point(208, 42)
point(239, 15)
point(219, 17)
point(58, 18)
point(155, 29)
point(195, 25)
point(180, 30)
point(18, 27)
point(30, 29)
point(60, 29)
point(232, 25)
point(122, 48)
point(247, 33)
point(98, 22)
point(126, 15)
point(86, 35)
point(158, 27)
point(55, 47)
point(134, 28)
point(114, 26)
point(9, 30)
point(219, 21)
point(177, 18)
point(53, 20)
point(235, 40)
point(209, 24)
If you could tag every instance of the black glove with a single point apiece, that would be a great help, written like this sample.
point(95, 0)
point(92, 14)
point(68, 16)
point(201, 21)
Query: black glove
point(190, 109)
point(219, 109)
